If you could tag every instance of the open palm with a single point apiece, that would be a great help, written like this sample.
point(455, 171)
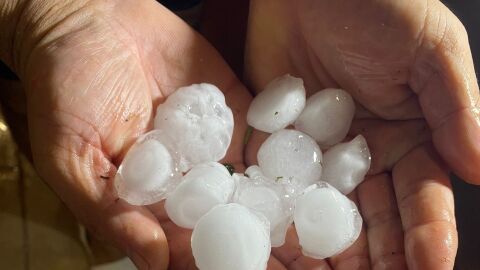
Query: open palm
point(408, 66)
point(93, 81)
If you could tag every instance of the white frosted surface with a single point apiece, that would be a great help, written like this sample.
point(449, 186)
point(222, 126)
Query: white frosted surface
point(278, 105)
point(199, 121)
point(203, 187)
point(326, 221)
point(290, 155)
point(327, 116)
point(231, 237)
point(345, 164)
point(149, 170)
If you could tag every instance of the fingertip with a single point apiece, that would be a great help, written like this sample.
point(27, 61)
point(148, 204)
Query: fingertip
point(440, 237)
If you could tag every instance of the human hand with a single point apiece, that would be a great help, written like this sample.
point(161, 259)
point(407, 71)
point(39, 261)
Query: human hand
point(93, 72)
point(408, 66)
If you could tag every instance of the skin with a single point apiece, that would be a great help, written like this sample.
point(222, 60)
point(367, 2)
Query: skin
point(95, 70)
point(408, 66)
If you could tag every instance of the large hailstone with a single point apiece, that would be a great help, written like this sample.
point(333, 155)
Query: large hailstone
point(203, 187)
point(278, 105)
point(345, 164)
point(198, 120)
point(327, 116)
point(149, 170)
point(231, 237)
point(326, 221)
point(290, 155)
point(268, 199)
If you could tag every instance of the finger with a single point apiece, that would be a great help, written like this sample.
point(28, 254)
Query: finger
point(384, 227)
point(389, 141)
point(444, 79)
point(426, 205)
point(290, 255)
point(356, 256)
point(191, 60)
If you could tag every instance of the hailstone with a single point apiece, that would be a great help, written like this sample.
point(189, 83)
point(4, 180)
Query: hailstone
point(345, 164)
point(197, 118)
point(278, 105)
point(149, 170)
point(231, 237)
point(203, 187)
point(290, 155)
point(327, 116)
point(326, 221)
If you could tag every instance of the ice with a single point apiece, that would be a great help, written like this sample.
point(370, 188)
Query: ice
point(203, 187)
point(267, 198)
point(345, 164)
point(327, 222)
point(289, 189)
point(292, 156)
point(327, 116)
point(149, 170)
point(231, 237)
point(198, 120)
point(278, 105)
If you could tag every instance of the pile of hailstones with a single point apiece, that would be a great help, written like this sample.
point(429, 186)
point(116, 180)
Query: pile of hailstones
point(236, 219)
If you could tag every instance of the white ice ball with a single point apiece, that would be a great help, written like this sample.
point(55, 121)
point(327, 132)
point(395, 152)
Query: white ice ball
point(278, 105)
point(197, 118)
point(149, 170)
point(231, 237)
point(290, 155)
point(326, 221)
point(203, 187)
point(327, 116)
point(267, 199)
point(345, 164)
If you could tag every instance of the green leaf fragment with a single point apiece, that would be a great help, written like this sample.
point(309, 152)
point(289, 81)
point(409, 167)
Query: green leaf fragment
point(248, 134)
point(230, 168)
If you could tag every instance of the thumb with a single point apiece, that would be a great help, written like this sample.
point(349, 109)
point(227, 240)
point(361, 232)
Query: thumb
point(444, 79)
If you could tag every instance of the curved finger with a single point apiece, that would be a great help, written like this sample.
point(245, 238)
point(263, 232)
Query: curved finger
point(426, 205)
point(383, 225)
point(444, 79)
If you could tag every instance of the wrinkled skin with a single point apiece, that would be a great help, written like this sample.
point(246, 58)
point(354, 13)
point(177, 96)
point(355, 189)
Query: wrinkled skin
point(92, 83)
point(409, 68)
point(94, 76)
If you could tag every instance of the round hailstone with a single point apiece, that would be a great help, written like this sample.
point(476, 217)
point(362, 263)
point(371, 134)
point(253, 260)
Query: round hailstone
point(345, 164)
point(278, 105)
point(327, 222)
point(267, 199)
point(290, 155)
point(327, 116)
point(231, 237)
point(149, 170)
point(203, 187)
point(199, 121)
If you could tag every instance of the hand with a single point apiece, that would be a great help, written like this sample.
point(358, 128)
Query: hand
point(409, 67)
point(94, 72)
